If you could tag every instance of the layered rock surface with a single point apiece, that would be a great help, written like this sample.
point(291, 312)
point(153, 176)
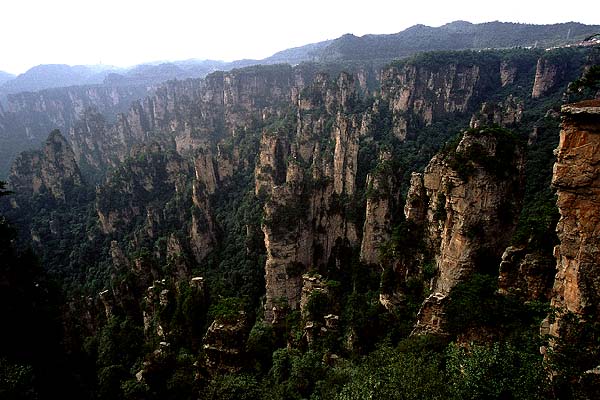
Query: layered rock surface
point(423, 93)
point(468, 219)
point(577, 180)
point(306, 214)
point(382, 201)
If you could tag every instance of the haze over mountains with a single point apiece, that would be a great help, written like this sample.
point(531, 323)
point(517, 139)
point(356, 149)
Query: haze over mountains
point(377, 49)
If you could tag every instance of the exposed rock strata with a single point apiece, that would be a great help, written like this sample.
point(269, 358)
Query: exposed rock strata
point(416, 91)
point(577, 180)
point(224, 343)
point(29, 117)
point(506, 113)
point(525, 274)
point(468, 221)
point(547, 75)
point(305, 216)
point(382, 199)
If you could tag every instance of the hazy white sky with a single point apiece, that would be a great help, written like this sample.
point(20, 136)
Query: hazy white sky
point(127, 32)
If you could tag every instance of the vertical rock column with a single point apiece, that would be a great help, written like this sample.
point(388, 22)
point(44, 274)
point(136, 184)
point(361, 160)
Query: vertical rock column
point(466, 227)
point(577, 180)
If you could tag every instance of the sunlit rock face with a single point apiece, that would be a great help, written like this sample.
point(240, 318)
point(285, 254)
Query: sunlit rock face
point(577, 181)
point(467, 221)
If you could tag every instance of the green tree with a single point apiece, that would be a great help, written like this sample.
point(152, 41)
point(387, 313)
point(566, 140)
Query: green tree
point(496, 371)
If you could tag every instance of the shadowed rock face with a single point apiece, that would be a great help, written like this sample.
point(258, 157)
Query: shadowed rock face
point(420, 93)
point(28, 117)
point(379, 212)
point(577, 180)
point(529, 275)
point(52, 169)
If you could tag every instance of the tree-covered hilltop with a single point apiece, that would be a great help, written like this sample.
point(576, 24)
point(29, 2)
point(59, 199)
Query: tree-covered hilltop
point(457, 35)
point(294, 232)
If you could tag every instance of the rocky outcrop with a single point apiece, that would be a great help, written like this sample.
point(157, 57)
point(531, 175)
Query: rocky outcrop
point(423, 91)
point(507, 113)
point(547, 75)
point(194, 114)
point(202, 231)
point(576, 177)
point(139, 187)
point(29, 117)
point(317, 308)
point(271, 167)
point(157, 298)
point(508, 73)
point(309, 176)
point(51, 171)
point(62, 106)
point(382, 198)
point(470, 192)
point(528, 275)
point(225, 342)
point(416, 205)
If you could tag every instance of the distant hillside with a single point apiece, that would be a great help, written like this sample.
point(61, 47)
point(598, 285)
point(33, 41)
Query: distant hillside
point(295, 55)
point(5, 77)
point(149, 74)
point(458, 35)
point(53, 75)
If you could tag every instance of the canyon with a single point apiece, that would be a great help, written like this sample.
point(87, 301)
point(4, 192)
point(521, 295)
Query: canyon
point(280, 200)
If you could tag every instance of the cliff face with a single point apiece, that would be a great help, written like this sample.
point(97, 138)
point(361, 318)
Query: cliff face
point(382, 200)
point(577, 180)
point(194, 114)
point(195, 126)
point(506, 113)
point(528, 275)
point(62, 106)
point(28, 117)
point(421, 93)
point(468, 219)
point(305, 217)
point(52, 170)
point(225, 342)
point(547, 75)
point(141, 188)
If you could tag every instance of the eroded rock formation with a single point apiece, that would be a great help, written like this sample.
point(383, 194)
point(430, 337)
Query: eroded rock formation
point(52, 170)
point(577, 180)
point(305, 217)
point(468, 219)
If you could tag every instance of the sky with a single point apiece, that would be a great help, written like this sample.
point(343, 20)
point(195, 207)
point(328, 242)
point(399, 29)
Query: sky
point(129, 32)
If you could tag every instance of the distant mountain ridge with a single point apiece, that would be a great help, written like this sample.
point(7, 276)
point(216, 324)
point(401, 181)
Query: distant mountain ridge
point(457, 35)
point(5, 77)
point(54, 75)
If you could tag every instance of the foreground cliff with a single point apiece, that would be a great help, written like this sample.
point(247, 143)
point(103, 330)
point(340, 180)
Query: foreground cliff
point(577, 181)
